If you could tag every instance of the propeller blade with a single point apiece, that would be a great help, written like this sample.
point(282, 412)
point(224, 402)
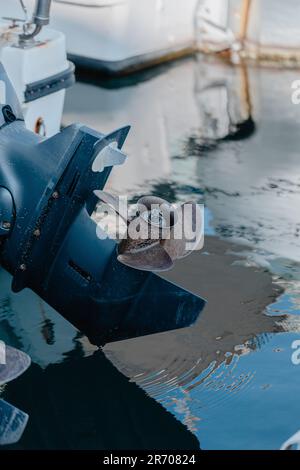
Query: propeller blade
point(168, 212)
point(16, 362)
point(112, 201)
point(140, 236)
point(153, 258)
point(183, 238)
point(12, 423)
point(148, 201)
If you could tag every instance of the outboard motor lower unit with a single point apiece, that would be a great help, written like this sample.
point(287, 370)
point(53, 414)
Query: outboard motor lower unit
point(49, 241)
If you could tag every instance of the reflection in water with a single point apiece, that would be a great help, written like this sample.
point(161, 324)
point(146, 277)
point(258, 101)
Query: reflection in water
point(206, 131)
point(251, 187)
point(231, 116)
point(266, 30)
point(85, 403)
point(47, 327)
point(228, 328)
point(13, 421)
point(223, 136)
point(154, 108)
point(31, 325)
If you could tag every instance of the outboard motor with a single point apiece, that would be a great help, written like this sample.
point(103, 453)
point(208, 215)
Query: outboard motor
point(50, 243)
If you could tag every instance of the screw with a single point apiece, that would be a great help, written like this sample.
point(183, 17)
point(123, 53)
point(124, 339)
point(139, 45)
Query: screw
point(55, 195)
point(23, 267)
point(37, 233)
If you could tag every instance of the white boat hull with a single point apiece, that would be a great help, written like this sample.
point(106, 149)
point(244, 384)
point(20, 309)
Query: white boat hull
point(119, 35)
point(262, 29)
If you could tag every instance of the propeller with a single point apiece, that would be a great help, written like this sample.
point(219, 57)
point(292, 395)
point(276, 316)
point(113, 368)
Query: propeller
point(158, 234)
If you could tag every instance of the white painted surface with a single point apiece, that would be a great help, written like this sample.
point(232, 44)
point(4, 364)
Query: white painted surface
point(279, 20)
point(116, 30)
point(44, 59)
point(271, 23)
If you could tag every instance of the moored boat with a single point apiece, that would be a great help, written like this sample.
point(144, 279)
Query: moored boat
point(118, 36)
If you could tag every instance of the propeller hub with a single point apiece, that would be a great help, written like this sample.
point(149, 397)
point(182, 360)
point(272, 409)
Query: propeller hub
point(154, 217)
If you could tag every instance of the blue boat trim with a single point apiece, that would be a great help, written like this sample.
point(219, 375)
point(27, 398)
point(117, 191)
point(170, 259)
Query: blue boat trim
point(50, 85)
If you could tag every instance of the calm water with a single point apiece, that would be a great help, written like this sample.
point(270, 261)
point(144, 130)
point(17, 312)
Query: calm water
point(228, 137)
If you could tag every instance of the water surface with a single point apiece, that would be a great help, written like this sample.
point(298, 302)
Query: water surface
point(227, 137)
